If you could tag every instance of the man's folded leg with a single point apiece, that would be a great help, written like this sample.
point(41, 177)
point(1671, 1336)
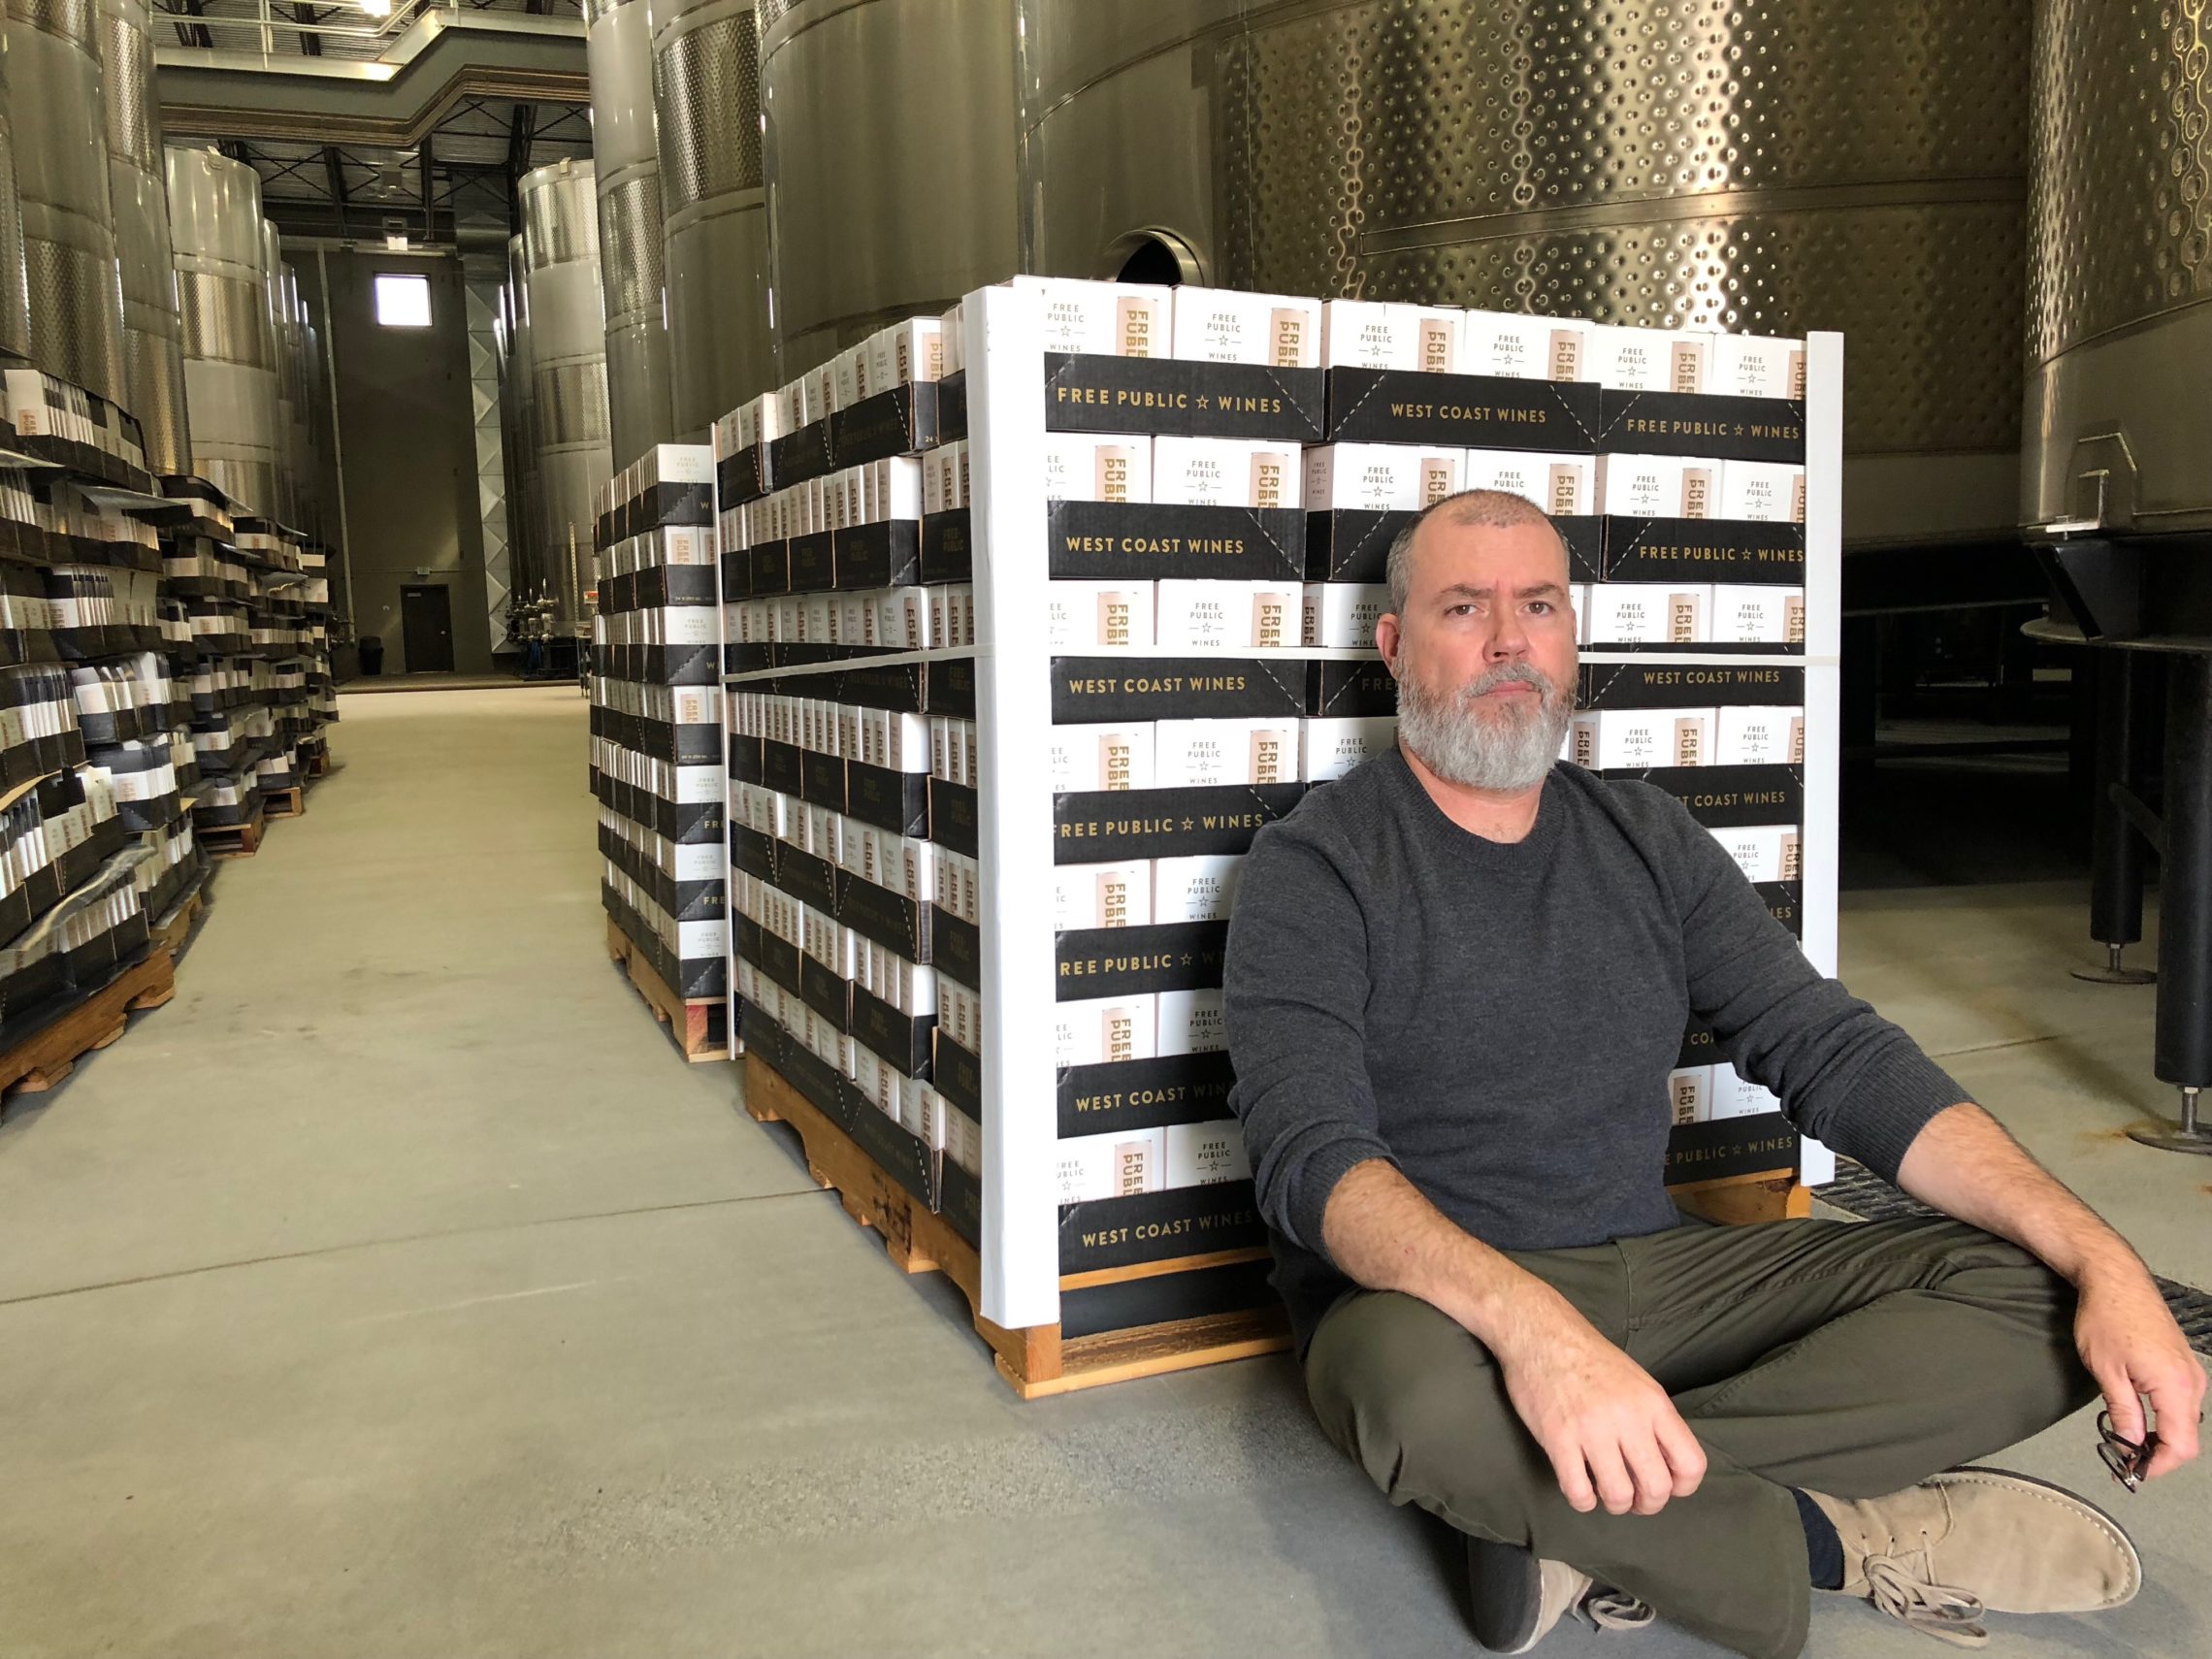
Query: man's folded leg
point(1417, 1401)
point(1853, 1359)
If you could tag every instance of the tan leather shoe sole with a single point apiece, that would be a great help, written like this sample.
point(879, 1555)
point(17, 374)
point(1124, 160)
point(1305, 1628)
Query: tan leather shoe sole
point(2023, 1545)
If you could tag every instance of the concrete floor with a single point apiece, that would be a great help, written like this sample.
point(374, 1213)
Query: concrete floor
point(397, 1291)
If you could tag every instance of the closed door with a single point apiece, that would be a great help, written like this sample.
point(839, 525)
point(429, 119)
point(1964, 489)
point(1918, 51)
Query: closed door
point(426, 623)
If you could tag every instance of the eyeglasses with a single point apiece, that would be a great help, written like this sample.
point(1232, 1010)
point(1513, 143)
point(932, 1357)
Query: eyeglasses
point(2125, 1457)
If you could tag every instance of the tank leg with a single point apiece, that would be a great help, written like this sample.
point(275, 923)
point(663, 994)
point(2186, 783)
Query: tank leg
point(2184, 1043)
point(2116, 849)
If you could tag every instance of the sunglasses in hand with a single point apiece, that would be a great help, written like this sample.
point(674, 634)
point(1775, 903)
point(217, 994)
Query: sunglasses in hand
point(2125, 1458)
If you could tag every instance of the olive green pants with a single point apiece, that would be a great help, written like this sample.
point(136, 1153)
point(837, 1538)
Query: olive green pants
point(1844, 1358)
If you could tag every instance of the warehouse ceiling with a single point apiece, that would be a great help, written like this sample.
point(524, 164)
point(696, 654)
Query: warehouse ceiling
point(289, 26)
point(333, 160)
point(465, 168)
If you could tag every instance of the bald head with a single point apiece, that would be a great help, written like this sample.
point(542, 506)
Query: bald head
point(1472, 510)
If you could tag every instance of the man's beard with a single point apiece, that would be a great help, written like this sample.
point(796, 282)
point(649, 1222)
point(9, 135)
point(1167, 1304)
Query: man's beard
point(1509, 746)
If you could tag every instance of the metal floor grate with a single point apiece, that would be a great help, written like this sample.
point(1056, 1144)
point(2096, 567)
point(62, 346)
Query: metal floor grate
point(1867, 1197)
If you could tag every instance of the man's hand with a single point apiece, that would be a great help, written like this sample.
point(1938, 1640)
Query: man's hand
point(1610, 1430)
point(1612, 1433)
point(2134, 1348)
point(1966, 1165)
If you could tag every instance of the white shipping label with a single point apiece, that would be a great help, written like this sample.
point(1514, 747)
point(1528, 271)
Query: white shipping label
point(1369, 334)
point(1763, 853)
point(1201, 1155)
point(1756, 365)
point(1102, 895)
point(1105, 1031)
point(1559, 484)
point(1088, 617)
point(1759, 736)
point(1196, 889)
point(1689, 1095)
point(1192, 1022)
point(1332, 747)
point(1341, 615)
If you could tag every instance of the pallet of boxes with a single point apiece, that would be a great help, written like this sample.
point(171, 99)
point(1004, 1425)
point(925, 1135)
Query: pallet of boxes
point(658, 766)
point(231, 574)
point(1039, 611)
point(321, 684)
point(278, 633)
point(204, 586)
point(95, 842)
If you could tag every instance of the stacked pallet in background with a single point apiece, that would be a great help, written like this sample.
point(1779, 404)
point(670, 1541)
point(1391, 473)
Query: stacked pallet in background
point(1133, 621)
point(657, 767)
point(284, 640)
point(851, 622)
point(232, 730)
point(321, 684)
point(245, 607)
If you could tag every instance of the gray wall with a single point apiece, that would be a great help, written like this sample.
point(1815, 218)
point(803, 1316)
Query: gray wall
point(406, 437)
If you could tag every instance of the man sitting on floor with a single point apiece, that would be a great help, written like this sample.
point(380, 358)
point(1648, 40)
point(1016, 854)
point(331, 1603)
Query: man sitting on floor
point(1457, 981)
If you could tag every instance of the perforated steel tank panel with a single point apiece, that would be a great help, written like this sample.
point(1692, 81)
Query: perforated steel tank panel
point(153, 358)
point(706, 100)
point(1759, 165)
point(2119, 265)
point(14, 301)
point(73, 287)
point(1763, 165)
point(2121, 227)
point(569, 384)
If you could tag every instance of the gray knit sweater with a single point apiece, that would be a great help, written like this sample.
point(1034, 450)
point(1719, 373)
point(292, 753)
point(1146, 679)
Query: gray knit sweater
point(1499, 1021)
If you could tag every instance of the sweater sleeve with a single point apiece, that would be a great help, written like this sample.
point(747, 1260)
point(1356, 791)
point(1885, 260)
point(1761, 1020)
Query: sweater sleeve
point(1296, 988)
point(1845, 1076)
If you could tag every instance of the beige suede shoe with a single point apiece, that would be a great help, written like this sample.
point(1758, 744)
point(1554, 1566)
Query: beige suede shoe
point(1517, 1598)
point(1937, 1555)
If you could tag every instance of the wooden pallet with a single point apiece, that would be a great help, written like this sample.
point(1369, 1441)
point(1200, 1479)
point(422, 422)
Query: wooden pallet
point(687, 1022)
point(233, 840)
point(318, 763)
point(175, 929)
point(284, 802)
point(1035, 1360)
point(1743, 1200)
point(48, 1056)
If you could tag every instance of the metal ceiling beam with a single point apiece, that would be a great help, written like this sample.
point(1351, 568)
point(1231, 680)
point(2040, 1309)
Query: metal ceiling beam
point(474, 55)
point(521, 133)
point(310, 45)
point(399, 132)
point(298, 216)
point(334, 170)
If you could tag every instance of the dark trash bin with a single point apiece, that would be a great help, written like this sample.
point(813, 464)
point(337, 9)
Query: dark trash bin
point(371, 650)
